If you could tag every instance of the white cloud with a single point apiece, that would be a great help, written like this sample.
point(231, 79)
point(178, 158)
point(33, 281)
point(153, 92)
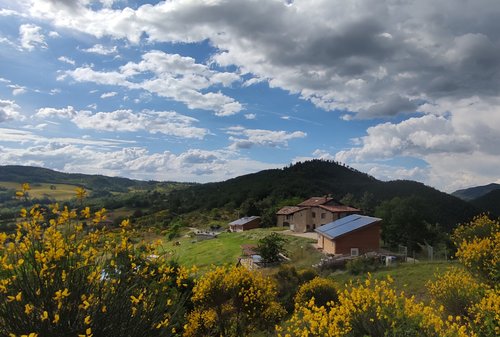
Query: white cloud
point(101, 50)
point(165, 122)
point(347, 57)
point(250, 116)
point(23, 137)
point(30, 37)
point(461, 149)
point(9, 110)
point(413, 137)
point(109, 94)
point(54, 34)
point(17, 89)
point(242, 138)
point(103, 157)
point(172, 76)
point(66, 60)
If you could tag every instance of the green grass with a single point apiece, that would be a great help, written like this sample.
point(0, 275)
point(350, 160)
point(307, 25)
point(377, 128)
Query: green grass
point(226, 248)
point(408, 277)
point(41, 190)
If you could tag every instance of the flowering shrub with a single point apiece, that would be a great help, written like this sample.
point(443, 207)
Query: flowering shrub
point(456, 290)
point(60, 276)
point(232, 302)
point(479, 228)
point(320, 290)
point(486, 315)
point(374, 309)
point(480, 253)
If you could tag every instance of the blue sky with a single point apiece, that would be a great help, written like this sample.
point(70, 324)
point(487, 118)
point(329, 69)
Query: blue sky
point(209, 90)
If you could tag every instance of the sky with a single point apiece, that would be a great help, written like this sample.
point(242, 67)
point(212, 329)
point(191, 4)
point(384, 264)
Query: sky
point(207, 90)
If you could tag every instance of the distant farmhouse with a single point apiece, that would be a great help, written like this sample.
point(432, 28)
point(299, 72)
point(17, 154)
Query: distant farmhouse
point(352, 235)
point(313, 213)
point(244, 224)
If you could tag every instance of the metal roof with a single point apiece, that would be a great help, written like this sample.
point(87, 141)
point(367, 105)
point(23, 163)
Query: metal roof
point(244, 220)
point(346, 225)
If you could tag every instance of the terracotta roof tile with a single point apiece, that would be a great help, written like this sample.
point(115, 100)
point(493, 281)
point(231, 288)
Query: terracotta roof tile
point(289, 210)
point(339, 208)
point(315, 201)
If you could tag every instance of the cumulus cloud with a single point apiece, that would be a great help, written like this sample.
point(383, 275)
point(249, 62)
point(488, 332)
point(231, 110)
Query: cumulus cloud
point(364, 59)
point(9, 110)
point(460, 149)
point(169, 75)
point(17, 89)
point(66, 60)
point(165, 122)
point(347, 57)
point(250, 116)
point(413, 137)
point(109, 94)
point(101, 50)
point(30, 36)
point(242, 138)
point(109, 157)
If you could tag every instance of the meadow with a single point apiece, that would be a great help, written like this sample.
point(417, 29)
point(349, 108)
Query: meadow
point(226, 248)
point(60, 192)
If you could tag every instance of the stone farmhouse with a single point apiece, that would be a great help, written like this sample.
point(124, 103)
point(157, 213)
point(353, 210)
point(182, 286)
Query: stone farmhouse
point(313, 213)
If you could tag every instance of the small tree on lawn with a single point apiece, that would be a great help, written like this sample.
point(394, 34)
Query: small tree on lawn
point(271, 246)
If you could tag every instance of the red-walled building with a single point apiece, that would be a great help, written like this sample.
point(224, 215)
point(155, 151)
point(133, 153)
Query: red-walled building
point(352, 235)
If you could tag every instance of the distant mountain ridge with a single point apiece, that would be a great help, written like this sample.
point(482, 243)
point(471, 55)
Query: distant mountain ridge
point(489, 201)
point(263, 191)
point(31, 174)
point(472, 193)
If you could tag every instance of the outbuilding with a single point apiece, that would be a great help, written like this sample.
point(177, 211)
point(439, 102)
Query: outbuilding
point(244, 224)
point(352, 235)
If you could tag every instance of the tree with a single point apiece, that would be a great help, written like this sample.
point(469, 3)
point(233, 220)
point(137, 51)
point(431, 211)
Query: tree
point(271, 247)
point(403, 221)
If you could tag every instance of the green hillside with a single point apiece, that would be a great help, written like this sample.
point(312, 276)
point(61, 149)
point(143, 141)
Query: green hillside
point(264, 192)
point(489, 202)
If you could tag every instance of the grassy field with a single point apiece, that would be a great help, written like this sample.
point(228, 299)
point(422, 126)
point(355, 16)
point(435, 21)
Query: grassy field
point(41, 190)
point(226, 248)
point(408, 277)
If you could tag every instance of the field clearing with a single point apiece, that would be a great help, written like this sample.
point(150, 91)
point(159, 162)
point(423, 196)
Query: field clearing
point(42, 190)
point(226, 248)
point(408, 277)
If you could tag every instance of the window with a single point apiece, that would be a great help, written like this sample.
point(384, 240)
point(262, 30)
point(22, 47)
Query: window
point(323, 215)
point(354, 251)
point(313, 214)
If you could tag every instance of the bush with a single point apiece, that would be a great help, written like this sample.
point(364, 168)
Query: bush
point(457, 291)
point(320, 290)
point(362, 264)
point(480, 253)
point(486, 315)
point(61, 280)
point(371, 308)
point(232, 302)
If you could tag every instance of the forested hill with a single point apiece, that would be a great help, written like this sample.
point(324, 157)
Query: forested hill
point(472, 193)
point(30, 174)
point(266, 190)
point(490, 202)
